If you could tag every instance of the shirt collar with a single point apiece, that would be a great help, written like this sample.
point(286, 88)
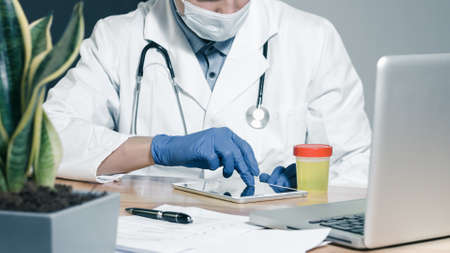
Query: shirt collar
point(194, 40)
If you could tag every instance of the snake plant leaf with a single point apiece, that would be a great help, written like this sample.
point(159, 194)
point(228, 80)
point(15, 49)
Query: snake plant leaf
point(65, 51)
point(3, 147)
point(20, 145)
point(56, 62)
point(15, 53)
point(19, 150)
point(40, 35)
point(49, 156)
point(41, 46)
point(3, 186)
point(3, 143)
point(36, 138)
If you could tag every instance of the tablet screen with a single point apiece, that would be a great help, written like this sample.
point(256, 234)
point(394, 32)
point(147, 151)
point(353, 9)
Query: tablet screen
point(236, 188)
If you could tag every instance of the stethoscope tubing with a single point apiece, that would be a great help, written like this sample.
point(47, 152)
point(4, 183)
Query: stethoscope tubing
point(139, 76)
point(163, 51)
point(259, 101)
point(180, 108)
point(137, 91)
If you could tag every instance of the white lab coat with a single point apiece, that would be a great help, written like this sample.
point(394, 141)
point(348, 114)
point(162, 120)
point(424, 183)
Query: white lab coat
point(312, 91)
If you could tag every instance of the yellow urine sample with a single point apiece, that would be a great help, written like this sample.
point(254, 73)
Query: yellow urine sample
point(313, 175)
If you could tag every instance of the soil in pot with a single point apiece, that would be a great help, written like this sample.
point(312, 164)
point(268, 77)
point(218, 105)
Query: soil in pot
point(43, 199)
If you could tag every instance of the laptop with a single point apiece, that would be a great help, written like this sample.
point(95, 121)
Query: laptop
point(409, 183)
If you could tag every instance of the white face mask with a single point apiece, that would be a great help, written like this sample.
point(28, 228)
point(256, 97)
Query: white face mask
point(211, 25)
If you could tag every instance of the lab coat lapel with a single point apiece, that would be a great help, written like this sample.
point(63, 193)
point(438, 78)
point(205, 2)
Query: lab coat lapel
point(161, 27)
point(245, 63)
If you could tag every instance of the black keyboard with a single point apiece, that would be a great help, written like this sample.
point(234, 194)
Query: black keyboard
point(349, 223)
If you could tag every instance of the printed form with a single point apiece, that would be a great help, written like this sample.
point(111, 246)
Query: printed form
point(210, 232)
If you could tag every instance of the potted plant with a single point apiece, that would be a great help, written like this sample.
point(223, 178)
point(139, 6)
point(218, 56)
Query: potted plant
point(35, 215)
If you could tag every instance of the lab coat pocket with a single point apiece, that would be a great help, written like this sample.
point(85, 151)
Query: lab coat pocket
point(296, 128)
point(275, 142)
point(316, 127)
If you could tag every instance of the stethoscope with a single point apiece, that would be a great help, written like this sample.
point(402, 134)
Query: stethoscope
point(257, 116)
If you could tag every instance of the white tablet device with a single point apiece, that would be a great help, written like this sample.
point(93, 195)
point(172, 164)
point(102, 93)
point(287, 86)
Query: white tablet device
point(236, 191)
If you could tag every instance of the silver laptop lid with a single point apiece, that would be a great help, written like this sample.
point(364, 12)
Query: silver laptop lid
point(409, 188)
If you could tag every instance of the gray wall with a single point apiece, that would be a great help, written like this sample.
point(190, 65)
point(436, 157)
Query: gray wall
point(62, 9)
point(370, 28)
point(374, 28)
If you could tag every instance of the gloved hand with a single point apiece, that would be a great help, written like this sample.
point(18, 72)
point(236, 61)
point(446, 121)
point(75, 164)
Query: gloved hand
point(281, 176)
point(248, 191)
point(209, 149)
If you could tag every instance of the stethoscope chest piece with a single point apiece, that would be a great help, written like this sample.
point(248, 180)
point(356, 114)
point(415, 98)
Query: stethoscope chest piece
point(258, 117)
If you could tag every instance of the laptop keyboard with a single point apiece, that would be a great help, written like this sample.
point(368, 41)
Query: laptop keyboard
point(349, 223)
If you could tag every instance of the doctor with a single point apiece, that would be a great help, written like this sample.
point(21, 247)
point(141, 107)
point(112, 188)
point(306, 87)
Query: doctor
point(224, 55)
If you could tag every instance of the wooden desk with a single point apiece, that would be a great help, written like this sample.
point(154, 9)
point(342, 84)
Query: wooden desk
point(150, 192)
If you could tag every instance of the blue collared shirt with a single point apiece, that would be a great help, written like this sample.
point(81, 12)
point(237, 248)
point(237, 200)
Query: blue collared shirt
point(211, 55)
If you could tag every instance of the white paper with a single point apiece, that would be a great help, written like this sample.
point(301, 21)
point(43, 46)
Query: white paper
point(210, 232)
point(269, 241)
point(104, 179)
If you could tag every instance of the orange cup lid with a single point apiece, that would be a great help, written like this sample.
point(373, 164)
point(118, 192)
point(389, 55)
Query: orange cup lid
point(313, 150)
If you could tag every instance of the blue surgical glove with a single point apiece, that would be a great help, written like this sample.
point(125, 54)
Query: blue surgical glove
point(281, 176)
point(248, 191)
point(209, 149)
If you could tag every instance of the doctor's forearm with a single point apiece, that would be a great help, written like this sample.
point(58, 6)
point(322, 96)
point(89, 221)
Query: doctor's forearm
point(132, 155)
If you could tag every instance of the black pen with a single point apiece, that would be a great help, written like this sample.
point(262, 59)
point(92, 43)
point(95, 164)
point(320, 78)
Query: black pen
point(161, 215)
